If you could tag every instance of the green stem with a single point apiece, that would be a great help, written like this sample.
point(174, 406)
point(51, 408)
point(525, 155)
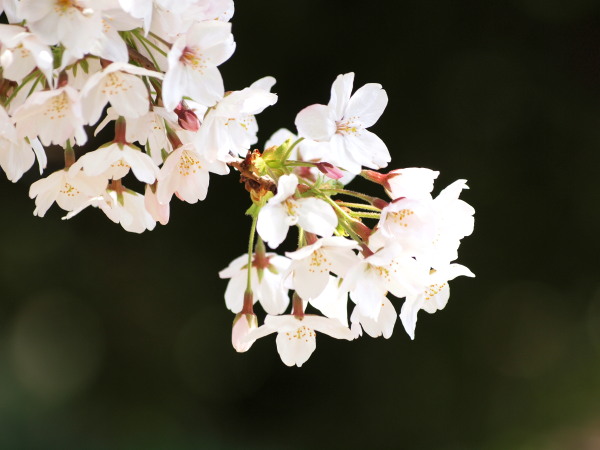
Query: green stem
point(364, 197)
point(359, 206)
point(25, 81)
point(159, 39)
point(366, 215)
point(251, 252)
point(289, 150)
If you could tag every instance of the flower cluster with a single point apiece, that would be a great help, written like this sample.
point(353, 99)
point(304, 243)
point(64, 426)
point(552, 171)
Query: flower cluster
point(151, 69)
point(408, 251)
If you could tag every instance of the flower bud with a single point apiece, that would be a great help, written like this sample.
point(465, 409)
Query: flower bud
point(242, 325)
point(186, 118)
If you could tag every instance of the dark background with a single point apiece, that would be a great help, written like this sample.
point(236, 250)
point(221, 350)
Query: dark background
point(114, 340)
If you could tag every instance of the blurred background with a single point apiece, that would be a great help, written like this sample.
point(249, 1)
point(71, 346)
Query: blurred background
point(110, 340)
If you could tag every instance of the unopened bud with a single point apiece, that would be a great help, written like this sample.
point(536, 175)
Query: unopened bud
point(243, 324)
point(330, 170)
point(186, 118)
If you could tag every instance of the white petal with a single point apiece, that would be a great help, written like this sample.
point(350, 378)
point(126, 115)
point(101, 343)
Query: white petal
point(316, 216)
point(316, 122)
point(272, 224)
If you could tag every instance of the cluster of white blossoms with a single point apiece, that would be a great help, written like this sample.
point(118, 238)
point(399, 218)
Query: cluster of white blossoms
point(150, 67)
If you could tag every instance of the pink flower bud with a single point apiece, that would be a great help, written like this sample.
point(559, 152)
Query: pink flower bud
point(242, 325)
point(330, 170)
point(187, 119)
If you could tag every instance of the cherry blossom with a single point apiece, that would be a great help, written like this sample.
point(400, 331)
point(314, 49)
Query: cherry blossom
point(267, 282)
point(69, 191)
point(114, 161)
point(55, 116)
point(230, 125)
point(186, 173)
point(74, 23)
point(433, 298)
point(22, 52)
point(296, 336)
point(284, 210)
point(312, 264)
point(121, 85)
point(343, 125)
point(193, 61)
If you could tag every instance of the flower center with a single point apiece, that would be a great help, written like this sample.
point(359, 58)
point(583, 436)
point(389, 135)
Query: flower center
point(188, 164)
point(350, 126)
point(69, 190)
point(303, 333)
point(114, 84)
point(434, 290)
point(191, 56)
point(400, 217)
point(317, 260)
point(56, 107)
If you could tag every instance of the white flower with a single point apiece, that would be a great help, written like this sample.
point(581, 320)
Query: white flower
point(185, 172)
point(383, 324)
point(283, 210)
point(343, 124)
point(16, 155)
point(193, 61)
point(127, 208)
point(410, 223)
point(311, 264)
point(54, 116)
point(121, 85)
point(454, 221)
point(267, 282)
point(230, 126)
point(73, 23)
point(387, 270)
point(69, 191)
point(433, 298)
point(114, 161)
point(22, 52)
point(413, 182)
point(173, 17)
point(296, 336)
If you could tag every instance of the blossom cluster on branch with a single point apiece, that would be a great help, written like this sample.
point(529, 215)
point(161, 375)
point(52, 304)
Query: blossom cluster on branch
point(150, 68)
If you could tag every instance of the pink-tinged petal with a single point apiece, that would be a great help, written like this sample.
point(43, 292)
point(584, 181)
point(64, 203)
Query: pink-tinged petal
point(368, 104)
point(159, 212)
point(330, 170)
point(341, 91)
point(243, 324)
point(316, 122)
point(273, 224)
point(316, 216)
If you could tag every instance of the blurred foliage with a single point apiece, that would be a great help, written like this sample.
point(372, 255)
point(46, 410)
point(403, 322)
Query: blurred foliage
point(113, 340)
